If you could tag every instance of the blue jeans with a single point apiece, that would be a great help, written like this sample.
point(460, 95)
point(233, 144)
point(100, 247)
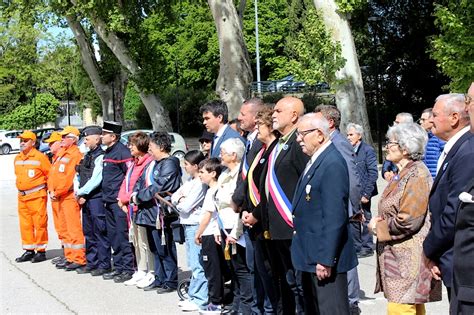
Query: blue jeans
point(197, 290)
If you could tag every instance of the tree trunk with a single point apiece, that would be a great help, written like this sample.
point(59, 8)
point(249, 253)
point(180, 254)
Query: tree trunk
point(158, 114)
point(350, 96)
point(235, 74)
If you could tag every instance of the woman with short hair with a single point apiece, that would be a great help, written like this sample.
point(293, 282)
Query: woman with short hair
point(162, 175)
point(402, 224)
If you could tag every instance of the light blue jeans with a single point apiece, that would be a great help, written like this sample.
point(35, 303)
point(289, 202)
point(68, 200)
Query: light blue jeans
point(197, 290)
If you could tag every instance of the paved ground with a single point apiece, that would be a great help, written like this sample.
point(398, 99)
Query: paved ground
point(40, 288)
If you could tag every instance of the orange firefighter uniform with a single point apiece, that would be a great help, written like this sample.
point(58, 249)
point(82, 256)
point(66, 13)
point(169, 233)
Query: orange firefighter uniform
point(60, 187)
point(31, 172)
point(59, 223)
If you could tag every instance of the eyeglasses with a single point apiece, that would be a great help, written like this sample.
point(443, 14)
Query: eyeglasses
point(24, 140)
point(467, 99)
point(390, 144)
point(303, 133)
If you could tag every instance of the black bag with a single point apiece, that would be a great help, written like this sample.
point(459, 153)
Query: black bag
point(178, 232)
point(170, 212)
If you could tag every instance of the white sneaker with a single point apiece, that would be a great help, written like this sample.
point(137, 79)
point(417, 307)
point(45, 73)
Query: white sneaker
point(182, 302)
point(146, 281)
point(188, 306)
point(137, 276)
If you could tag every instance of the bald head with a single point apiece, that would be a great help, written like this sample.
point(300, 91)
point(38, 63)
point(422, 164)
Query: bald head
point(286, 114)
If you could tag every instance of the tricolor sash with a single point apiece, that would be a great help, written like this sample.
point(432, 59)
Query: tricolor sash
point(277, 194)
point(253, 190)
point(245, 167)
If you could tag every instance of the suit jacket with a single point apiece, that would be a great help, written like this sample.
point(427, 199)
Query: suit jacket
point(345, 148)
point(289, 165)
point(240, 191)
point(366, 163)
point(463, 250)
point(321, 223)
point(228, 133)
point(457, 170)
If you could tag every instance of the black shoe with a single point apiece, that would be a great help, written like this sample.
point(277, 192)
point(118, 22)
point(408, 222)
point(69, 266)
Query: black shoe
point(365, 254)
point(39, 257)
point(99, 272)
point(27, 256)
point(152, 287)
point(111, 275)
point(61, 260)
point(56, 260)
point(354, 310)
point(63, 264)
point(165, 289)
point(73, 266)
point(84, 269)
point(124, 276)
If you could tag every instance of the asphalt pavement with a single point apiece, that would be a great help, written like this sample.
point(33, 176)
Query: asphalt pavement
point(28, 288)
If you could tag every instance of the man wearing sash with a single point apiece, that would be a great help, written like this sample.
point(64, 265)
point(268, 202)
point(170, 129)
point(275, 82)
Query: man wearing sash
point(285, 165)
point(322, 248)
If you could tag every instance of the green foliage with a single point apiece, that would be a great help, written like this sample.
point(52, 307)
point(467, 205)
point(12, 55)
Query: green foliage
point(348, 6)
point(453, 48)
point(314, 56)
point(43, 108)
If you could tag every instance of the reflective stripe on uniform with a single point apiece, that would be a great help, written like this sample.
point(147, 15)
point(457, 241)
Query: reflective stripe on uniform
point(29, 246)
point(73, 246)
point(41, 246)
point(64, 159)
point(28, 162)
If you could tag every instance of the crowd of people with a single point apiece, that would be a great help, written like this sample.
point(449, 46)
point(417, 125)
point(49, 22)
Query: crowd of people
point(274, 215)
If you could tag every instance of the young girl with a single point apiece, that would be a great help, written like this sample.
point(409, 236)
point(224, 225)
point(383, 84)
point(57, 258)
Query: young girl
point(212, 255)
point(188, 200)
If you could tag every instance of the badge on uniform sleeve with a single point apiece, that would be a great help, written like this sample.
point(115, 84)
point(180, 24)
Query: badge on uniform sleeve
point(31, 173)
point(62, 168)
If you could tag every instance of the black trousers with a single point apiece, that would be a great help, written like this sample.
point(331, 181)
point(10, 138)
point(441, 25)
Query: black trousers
point(325, 297)
point(117, 233)
point(286, 279)
point(215, 268)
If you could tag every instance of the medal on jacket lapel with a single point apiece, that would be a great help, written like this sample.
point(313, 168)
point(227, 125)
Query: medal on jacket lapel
point(308, 190)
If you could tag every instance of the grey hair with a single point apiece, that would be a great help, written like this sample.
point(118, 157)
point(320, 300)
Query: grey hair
point(410, 137)
point(319, 122)
point(405, 118)
point(234, 145)
point(454, 103)
point(357, 128)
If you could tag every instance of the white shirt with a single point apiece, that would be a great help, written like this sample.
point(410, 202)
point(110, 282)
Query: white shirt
point(188, 200)
point(315, 156)
point(210, 206)
point(251, 138)
point(225, 189)
point(218, 134)
point(449, 145)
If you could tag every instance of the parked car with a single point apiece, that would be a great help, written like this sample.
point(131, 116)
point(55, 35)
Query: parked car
point(178, 145)
point(9, 141)
point(41, 135)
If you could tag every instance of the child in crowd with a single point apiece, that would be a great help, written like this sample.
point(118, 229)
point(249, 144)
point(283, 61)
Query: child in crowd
point(188, 200)
point(212, 255)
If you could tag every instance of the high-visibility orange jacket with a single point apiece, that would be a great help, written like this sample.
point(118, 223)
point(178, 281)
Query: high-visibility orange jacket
point(32, 171)
point(63, 170)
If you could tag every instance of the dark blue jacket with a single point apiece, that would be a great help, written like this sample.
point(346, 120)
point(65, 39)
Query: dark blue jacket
point(366, 162)
point(165, 177)
point(434, 147)
point(456, 171)
point(388, 166)
point(320, 218)
point(117, 158)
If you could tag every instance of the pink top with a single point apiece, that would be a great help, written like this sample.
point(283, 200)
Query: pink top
point(136, 170)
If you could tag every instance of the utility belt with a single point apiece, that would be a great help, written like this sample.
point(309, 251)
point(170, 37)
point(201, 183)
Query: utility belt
point(32, 190)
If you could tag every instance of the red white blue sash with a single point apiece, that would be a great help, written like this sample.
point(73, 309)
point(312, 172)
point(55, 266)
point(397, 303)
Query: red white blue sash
point(245, 167)
point(277, 194)
point(254, 194)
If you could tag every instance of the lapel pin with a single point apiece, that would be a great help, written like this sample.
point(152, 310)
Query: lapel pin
point(285, 147)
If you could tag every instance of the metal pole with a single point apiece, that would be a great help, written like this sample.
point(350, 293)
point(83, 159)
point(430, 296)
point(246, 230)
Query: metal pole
point(257, 50)
point(67, 106)
point(177, 93)
point(374, 20)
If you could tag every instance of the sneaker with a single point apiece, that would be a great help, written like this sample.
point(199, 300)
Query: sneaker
point(182, 302)
point(137, 276)
point(146, 281)
point(188, 306)
point(211, 309)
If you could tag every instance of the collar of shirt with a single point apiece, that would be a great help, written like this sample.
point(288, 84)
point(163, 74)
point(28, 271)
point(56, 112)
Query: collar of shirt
point(357, 146)
point(448, 146)
point(319, 151)
point(252, 135)
point(284, 139)
point(220, 132)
